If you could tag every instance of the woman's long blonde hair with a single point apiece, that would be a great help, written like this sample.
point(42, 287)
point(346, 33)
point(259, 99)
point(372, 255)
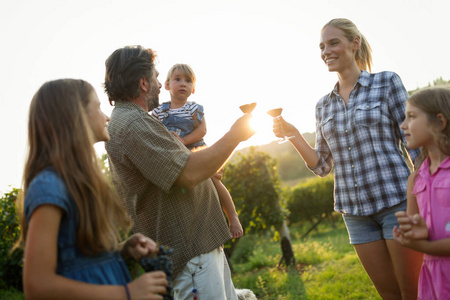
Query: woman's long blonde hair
point(350, 31)
point(59, 136)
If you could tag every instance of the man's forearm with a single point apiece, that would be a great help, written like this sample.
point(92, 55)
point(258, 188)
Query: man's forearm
point(202, 164)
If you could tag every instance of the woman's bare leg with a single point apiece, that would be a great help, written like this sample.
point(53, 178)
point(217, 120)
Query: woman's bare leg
point(376, 260)
point(407, 264)
point(393, 269)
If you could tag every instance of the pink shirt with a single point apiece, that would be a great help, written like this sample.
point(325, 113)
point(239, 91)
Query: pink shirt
point(433, 199)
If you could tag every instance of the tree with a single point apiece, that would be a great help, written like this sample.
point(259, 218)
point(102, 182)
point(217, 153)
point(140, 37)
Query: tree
point(10, 262)
point(253, 183)
point(440, 82)
point(311, 201)
point(437, 82)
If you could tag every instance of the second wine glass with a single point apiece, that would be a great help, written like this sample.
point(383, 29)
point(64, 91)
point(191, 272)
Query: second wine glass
point(276, 114)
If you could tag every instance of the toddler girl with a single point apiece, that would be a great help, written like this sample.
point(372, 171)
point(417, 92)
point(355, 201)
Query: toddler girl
point(185, 119)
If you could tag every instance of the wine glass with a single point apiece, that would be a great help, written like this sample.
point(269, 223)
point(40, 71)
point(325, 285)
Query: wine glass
point(276, 114)
point(248, 108)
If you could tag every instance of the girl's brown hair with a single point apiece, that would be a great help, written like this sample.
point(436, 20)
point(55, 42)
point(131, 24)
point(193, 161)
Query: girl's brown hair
point(59, 135)
point(350, 31)
point(434, 101)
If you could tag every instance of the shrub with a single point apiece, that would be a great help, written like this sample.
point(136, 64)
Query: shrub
point(247, 244)
point(11, 294)
point(311, 201)
point(10, 263)
point(254, 186)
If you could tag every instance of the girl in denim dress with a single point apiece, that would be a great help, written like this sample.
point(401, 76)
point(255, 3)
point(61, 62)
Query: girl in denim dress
point(72, 222)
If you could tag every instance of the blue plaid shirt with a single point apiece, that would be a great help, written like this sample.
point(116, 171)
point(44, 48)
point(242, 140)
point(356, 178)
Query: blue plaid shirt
point(362, 141)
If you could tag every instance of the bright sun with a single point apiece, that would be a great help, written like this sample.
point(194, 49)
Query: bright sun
point(262, 124)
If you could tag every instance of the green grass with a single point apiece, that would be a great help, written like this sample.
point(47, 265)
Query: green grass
point(327, 267)
point(11, 294)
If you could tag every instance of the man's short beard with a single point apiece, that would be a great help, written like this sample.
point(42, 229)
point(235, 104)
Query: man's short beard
point(153, 100)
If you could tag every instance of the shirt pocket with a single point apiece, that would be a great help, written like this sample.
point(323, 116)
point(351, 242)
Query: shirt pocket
point(442, 191)
point(368, 114)
point(420, 189)
point(328, 127)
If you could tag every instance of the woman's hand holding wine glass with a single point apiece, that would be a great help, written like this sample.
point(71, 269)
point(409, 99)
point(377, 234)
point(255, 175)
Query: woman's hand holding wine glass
point(281, 128)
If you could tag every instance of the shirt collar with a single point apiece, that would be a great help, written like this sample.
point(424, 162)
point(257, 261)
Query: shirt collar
point(425, 170)
point(445, 164)
point(363, 80)
point(128, 104)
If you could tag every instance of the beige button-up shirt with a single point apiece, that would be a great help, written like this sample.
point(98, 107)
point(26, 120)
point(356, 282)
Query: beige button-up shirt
point(145, 159)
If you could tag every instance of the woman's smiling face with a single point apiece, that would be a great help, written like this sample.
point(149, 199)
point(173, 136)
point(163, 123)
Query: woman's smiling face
point(336, 50)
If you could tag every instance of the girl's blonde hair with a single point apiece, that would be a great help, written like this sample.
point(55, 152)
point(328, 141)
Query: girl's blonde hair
point(60, 136)
point(185, 69)
point(350, 31)
point(434, 101)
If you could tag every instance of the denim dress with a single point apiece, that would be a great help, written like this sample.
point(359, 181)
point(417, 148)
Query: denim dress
point(181, 125)
point(104, 268)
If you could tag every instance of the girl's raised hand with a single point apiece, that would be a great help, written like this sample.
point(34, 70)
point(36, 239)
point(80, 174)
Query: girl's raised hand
point(412, 227)
point(138, 246)
point(398, 236)
point(151, 286)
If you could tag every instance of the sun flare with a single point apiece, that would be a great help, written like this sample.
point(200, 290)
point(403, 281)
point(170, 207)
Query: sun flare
point(262, 124)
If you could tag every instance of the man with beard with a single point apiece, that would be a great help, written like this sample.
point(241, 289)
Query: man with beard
point(167, 189)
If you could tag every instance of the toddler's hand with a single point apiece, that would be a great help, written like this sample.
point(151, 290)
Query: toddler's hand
point(178, 137)
point(217, 176)
point(236, 228)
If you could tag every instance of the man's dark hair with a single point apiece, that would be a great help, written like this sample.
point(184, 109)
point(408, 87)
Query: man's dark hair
point(124, 68)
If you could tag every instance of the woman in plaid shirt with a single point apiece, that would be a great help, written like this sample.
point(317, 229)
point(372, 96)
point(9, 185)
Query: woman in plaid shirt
point(358, 133)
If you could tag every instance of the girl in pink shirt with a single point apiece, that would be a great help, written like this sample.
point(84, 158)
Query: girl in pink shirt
point(425, 226)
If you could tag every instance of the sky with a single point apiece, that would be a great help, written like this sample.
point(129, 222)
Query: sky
point(242, 51)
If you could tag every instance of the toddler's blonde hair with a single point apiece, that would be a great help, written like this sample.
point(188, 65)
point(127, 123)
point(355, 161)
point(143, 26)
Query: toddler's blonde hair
point(185, 69)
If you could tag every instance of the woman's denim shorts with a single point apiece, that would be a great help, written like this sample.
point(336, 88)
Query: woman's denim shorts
point(365, 229)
